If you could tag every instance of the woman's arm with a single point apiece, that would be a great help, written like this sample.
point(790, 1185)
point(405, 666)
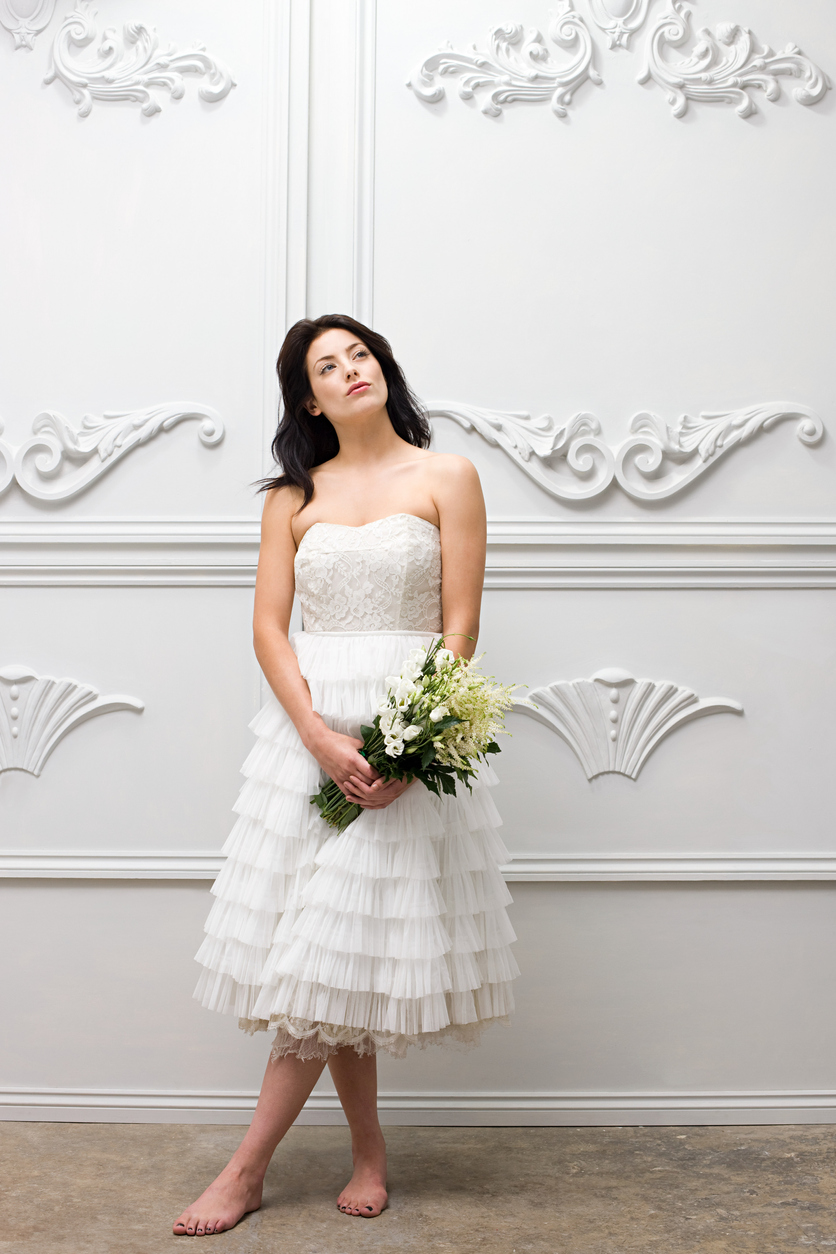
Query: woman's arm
point(461, 513)
point(274, 588)
point(457, 495)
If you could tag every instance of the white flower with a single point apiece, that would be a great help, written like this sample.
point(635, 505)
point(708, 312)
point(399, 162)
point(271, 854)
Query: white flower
point(438, 713)
point(387, 718)
point(394, 748)
point(442, 657)
point(412, 732)
point(406, 688)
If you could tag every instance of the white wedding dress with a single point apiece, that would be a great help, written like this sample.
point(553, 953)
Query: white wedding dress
point(394, 932)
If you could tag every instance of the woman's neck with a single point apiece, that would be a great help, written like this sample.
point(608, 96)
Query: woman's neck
point(369, 441)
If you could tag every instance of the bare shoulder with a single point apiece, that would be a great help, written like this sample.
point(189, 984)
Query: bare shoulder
point(449, 468)
point(280, 505)
point(450, 472)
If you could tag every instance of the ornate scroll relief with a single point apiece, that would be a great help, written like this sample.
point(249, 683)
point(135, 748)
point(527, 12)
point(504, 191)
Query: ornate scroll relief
point(126, 67)
point(25, 21)
point(619, 19)
point(657, 462)
point(518, 66)
point(725, 66)
point(613, 722)
point(88, 453)
point(695, 444)
point(36, 711)
point(540, 446)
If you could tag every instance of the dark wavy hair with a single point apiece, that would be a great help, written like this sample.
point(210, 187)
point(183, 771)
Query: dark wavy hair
point(304, 440)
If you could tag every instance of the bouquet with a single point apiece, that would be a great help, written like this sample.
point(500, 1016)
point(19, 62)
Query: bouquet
point(438, 717)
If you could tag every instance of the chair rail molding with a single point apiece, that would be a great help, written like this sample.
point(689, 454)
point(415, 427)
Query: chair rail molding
point(517, 67)
point(152, 865)
point(36, 711)
point(725, 66)
point(24, 22)
point(656, 462)
point(94, 447)
point(612, 721)
point(125, 67)
point(619, 19)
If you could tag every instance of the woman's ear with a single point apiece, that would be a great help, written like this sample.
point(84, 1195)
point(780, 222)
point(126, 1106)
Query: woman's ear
point(312, 407)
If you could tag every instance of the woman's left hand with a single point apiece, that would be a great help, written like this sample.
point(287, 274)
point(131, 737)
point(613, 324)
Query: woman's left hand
point(377, 795)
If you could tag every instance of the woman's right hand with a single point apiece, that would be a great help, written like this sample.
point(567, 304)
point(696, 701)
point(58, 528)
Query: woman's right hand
point(339, 757)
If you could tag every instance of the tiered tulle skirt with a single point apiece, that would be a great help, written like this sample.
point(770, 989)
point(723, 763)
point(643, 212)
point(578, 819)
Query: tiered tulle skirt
point(394, 932)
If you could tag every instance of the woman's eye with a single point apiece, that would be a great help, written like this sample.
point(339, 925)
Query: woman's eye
point(364, 352)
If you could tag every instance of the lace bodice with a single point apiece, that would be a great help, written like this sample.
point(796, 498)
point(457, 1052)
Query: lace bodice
point(384, 576)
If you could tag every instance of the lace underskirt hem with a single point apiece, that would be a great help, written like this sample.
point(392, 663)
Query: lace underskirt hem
point(307, 1040)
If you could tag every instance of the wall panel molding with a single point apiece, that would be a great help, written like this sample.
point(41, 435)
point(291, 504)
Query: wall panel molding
point(502, 1107)
point(523, 553)
point(154, 865)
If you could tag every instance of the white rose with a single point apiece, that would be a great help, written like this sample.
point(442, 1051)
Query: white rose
point(412, 732)
point(395, 749)
point(438, 713)
point(443, 657)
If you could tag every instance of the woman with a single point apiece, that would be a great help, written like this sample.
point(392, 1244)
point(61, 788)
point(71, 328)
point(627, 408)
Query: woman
point(395, 932)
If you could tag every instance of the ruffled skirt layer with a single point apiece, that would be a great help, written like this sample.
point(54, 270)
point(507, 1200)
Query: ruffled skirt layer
point(394, 932)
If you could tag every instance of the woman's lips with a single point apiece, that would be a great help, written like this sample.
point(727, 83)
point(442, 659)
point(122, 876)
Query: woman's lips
point(358, 387)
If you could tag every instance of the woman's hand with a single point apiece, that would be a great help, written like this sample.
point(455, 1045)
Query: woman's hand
point(377, 795)
point(339, 757)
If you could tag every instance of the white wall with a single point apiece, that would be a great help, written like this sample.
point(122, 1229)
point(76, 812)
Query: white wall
point(615, 261)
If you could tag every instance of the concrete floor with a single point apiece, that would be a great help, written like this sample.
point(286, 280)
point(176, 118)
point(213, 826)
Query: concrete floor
point(91, 1188)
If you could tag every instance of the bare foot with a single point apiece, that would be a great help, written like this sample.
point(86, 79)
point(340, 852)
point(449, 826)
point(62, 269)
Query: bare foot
point(365, 1194)
point(227, 1200)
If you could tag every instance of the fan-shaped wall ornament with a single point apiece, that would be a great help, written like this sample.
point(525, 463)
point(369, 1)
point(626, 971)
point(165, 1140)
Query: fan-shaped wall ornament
point(613, 722)
point(36, 711)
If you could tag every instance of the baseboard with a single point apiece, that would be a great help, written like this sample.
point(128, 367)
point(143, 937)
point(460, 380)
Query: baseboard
point(486, 1109)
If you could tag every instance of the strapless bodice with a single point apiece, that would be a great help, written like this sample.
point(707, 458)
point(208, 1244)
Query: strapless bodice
point(384, 576)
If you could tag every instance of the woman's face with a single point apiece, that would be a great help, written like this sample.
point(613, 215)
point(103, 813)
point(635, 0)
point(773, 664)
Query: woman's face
point(346, 380)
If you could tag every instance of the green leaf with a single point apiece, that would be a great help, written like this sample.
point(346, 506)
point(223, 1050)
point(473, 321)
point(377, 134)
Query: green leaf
point(493, 747)
point(428, 755)
point(448, 785)
point(368, 732)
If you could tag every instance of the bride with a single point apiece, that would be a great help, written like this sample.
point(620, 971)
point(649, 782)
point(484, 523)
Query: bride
point(394, 933)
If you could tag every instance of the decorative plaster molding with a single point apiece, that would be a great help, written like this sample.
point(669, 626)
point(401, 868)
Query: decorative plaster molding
point(725, 66)
point(517, 67)
point(36, 711)
point(613, 722)
point(94, 447)
point(619, 19)
point(154, 865)
point(540, 445)
point(126, 67)
point(25, 22)
point(694, 444)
